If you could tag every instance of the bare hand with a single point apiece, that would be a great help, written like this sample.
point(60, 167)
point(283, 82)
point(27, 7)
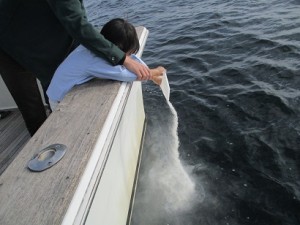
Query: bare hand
point(141, 71)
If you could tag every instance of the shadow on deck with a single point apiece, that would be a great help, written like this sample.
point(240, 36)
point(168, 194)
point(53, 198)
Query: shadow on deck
point(13, 137)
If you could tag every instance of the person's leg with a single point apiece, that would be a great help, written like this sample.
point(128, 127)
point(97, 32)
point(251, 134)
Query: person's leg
point(24, 89)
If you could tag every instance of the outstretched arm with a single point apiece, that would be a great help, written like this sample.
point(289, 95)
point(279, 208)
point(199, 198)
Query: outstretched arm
point(141, 71)
point(72, 15)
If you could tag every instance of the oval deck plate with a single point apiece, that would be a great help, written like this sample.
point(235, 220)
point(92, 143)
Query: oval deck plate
point(47, 157)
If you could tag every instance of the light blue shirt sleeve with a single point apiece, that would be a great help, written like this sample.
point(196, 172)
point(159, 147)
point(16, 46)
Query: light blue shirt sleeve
point(104, 70)
point(81, 66)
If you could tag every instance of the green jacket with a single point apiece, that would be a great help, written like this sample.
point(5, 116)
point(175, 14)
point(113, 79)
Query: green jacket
point(38, 34)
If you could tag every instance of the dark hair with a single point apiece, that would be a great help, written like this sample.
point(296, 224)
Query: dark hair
point(122, 34)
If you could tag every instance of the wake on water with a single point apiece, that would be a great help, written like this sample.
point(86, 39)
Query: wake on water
point(164, 187)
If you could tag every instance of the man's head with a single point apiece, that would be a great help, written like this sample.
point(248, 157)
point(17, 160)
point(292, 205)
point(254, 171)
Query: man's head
point(122, 34)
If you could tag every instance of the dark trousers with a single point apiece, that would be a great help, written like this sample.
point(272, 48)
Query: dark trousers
point(23, 87)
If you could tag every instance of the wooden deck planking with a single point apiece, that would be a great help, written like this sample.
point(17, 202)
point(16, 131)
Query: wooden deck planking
point(13, 136)
point(75, 123)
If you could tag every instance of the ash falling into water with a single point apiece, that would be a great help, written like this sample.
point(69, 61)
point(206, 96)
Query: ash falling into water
point(164, 187)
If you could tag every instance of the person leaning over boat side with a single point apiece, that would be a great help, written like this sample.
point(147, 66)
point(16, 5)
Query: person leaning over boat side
point(35, 37)
point(82, 65)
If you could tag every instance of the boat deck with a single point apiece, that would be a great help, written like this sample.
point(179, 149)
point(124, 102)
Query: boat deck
point(13, 137)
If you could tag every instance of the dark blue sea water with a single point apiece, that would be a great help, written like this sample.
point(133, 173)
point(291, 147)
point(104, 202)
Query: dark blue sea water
point(234, 72)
